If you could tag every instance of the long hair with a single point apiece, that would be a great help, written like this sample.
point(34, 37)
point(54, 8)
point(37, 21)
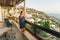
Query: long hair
point(21, 12)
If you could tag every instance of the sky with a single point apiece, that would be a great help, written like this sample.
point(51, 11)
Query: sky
point(47, 6)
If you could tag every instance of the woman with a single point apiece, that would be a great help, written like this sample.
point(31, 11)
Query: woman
point(22, 22)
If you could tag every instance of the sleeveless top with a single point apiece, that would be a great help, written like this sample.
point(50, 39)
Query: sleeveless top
point(22, 22)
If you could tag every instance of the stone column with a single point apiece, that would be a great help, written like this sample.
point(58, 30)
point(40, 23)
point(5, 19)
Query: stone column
point(24, 7)
point(1, 21)
point(6, 13)
point(0, 13)
point(12, 11)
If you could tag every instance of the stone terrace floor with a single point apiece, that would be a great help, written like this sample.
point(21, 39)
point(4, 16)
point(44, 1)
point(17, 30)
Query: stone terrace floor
point(13, 34)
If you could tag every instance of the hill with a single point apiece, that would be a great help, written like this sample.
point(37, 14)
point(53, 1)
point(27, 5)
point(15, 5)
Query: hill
point(40, 18)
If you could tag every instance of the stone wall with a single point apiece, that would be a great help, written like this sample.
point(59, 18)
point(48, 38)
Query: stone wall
point(2, 24)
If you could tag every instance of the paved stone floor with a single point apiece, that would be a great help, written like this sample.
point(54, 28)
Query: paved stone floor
point(13, 34)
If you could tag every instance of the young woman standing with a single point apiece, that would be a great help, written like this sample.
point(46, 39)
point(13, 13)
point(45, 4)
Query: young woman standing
point(22, 21)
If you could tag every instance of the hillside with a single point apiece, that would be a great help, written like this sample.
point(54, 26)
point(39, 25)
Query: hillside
point(40, 17)
point(39, 14)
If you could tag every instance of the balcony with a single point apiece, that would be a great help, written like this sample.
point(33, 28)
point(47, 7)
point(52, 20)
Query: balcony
point(10, 30)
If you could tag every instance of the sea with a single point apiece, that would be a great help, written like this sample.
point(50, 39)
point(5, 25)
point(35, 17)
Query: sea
point(55, 15)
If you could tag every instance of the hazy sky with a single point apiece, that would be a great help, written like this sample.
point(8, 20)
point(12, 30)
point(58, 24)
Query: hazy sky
point(47, 6)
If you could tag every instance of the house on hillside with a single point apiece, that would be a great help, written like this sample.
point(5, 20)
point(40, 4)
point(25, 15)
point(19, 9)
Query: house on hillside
point(30, 20)
point(54, 27)
point(28, 15)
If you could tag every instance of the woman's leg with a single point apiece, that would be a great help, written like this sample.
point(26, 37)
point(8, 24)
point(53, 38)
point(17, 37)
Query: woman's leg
point(22, 30)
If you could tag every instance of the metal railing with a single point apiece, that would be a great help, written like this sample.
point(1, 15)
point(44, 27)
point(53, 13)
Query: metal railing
point(52, 32)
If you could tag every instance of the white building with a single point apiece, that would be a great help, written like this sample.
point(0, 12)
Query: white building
point(44, 20)
point(28, 15)
point(55, 27)
point(50, 21)
point(38, 19)
point(30, 20)
point(52, 25)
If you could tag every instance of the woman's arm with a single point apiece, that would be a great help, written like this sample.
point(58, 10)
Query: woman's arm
point(19, 21)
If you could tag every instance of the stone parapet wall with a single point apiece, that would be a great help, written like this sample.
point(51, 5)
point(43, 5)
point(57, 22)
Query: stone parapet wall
point(1, 24)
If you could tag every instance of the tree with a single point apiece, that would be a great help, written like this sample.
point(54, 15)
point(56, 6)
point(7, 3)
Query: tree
point(47, 24)
point(42, 22)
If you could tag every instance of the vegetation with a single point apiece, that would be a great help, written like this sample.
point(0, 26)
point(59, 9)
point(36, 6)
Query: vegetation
point(45, 21)
point(47, 24)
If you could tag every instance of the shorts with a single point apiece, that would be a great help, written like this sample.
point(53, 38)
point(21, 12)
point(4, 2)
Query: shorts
point(22, 25)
